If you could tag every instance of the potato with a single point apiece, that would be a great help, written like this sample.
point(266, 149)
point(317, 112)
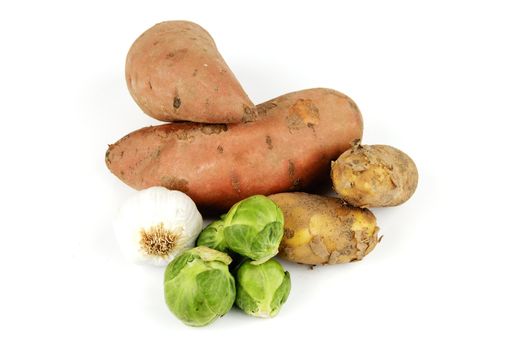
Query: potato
point(324, 230)
point(174, 72)
point(289, 147)
point(374, 176)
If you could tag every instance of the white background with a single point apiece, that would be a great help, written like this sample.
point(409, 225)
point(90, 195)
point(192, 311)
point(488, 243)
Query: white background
point(443, 81)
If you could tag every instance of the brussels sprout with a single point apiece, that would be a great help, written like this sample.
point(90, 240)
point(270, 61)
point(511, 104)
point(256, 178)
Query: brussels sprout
point(213, 237)
point(198, 287)
point(254, 228)
point(262, 289)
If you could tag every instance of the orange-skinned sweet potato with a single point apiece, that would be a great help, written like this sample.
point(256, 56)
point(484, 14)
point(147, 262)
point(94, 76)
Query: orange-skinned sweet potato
point(175, 72)
point(288, 148)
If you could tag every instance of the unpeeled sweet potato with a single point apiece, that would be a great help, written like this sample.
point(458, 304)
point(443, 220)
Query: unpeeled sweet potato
point(289, 147)
point(175, 72)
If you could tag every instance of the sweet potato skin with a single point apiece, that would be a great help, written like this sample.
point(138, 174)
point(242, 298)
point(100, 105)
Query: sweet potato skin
point(323, 230)
point(289, 147)
point(374, 176)
point(175, 72)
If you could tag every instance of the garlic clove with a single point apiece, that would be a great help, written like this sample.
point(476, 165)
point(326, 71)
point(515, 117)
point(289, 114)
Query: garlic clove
point(156, 224)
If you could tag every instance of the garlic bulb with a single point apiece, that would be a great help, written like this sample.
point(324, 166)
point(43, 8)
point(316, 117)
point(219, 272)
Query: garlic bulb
point(156, 225)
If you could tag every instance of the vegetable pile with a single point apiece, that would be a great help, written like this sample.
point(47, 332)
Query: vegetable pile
point(221, 153)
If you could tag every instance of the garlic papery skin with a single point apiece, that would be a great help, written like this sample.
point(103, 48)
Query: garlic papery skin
point(156, 224)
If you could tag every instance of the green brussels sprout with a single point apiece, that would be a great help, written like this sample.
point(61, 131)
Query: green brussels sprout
point(198, 287)
point(254, 228)
point(213, 237)
point(262, 289)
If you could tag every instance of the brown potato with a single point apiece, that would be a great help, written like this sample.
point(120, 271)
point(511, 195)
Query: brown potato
point(374, 176)
point(174, 72)
point(324, 230)
point(289, 147)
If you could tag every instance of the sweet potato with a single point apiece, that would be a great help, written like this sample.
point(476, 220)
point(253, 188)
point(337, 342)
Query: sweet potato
point(174, 72)
point(324, 230)
point(289, 147)
point(374, 176)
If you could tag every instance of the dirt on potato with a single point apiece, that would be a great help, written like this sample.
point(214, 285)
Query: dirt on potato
point(374, 176)
point(323, 230)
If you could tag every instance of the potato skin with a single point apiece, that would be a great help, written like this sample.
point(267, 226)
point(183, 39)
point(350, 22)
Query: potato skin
point(324, 230)
point(374, 176)
point(174, 72)
point(289, 147)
